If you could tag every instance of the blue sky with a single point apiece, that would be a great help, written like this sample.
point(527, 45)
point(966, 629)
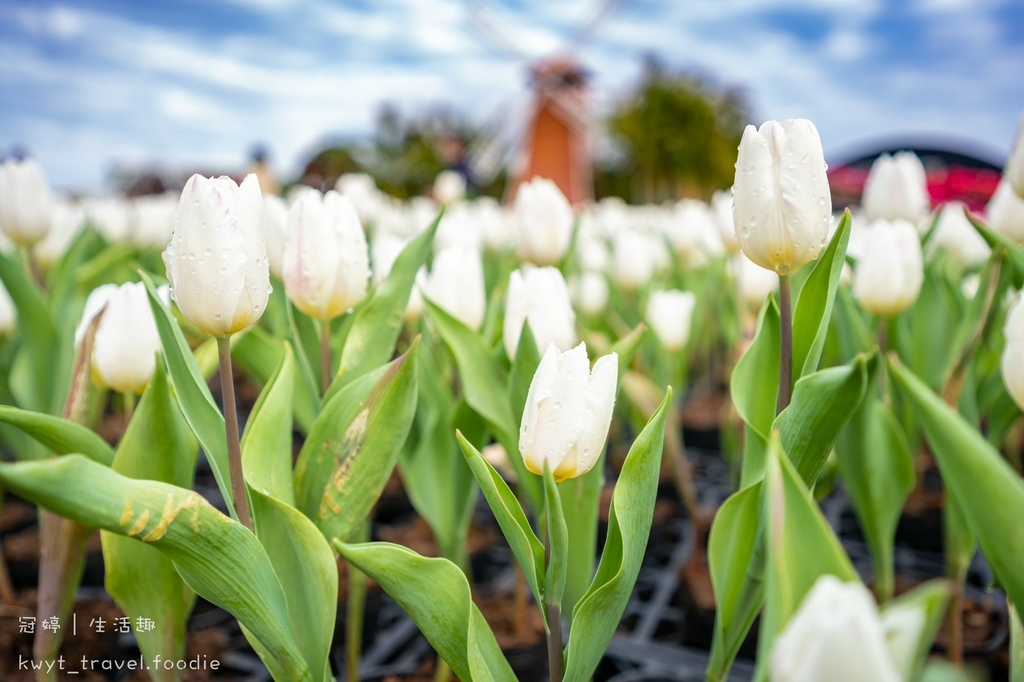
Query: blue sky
point(194, 83)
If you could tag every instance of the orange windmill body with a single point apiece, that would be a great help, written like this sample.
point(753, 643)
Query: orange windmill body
point(556, 142)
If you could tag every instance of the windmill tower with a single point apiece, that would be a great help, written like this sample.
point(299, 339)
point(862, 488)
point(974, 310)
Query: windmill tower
point(555, 142)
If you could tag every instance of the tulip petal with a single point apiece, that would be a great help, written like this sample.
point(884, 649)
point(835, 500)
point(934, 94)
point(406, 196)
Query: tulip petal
point(516, 304)
point(599, 402)
point(754, 198)
point(806, 201)
point(560, 409)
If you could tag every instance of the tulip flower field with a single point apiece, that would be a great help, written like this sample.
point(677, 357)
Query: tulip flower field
point(754, 438)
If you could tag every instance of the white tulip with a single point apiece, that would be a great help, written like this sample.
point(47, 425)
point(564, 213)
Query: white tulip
point(458, 228)
point(568, 411)
point(1012, 364)
point(1005, 212)
point(838, 635)
point(275, 230)
point(955, 235)
point(693, 233)
point(782, 207)
point(493, 221)
point(111, 217)
point(154, 220)
point(24, 201)
point(897, 189)
point(127, 341)
point(456, 284)
point(217, 260)
point(384, 251)
point(633, 260)
point(1014, 171)
point(721, 213)
point(545, 219)
point(753, 283)
point(8, 313)
point(361, 189)
point(449, 187)
point(889, 274)
point(326, 260)
point(66, 220)
point(541, 297)
point(592, 251)
point(590, 292)
point(670, 314)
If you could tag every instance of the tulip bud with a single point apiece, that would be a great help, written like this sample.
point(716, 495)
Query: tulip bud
point(154, 220)
point(670, 314)
point(838, 635)
point(633, 259)
point(721, 213)
point(8, 314)
point(889, 275)
point(111, 217)
point(540, 296)
point(1012, 364)
point(1005, 212)
point(326, 261)
point(590, 293)
point(897, 189)
point(568, 411)
point(66, 220)
point(693, 233)
point(782, 207)
point(383, 253)
point(753, 283)
point(275, 229)
point(449, 187)
point(955, 235)
point(545, 222)
point(24, 201)
point(1014, 171)
point(217, 261)
point(456, 284)
point(361, 189)
point(127, 341)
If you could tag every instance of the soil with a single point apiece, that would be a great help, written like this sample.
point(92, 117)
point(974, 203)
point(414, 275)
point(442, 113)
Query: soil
point(416, 534)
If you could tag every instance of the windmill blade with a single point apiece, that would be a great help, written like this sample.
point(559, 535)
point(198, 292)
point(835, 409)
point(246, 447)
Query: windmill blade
point(491, 150)
point(600, 13)
point(480, 14)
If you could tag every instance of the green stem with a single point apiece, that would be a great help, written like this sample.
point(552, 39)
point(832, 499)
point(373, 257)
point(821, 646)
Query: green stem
point(554, 642)
point(128, 403)
point(227, 389)
point(355, 611)
point(325, 355)
point(785, 344)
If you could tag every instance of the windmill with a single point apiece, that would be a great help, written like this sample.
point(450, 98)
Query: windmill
point(555, 142)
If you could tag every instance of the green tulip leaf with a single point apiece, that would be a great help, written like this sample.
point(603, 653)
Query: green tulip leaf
point(558, 541)
point(58, 435)
point(988, 492)
point(525, 545)
point(157, 446)
point(929, 598)
point(267, 441)
point(436, 594)
point(813, 310)
point(354, 445)
point(257, 353)
point(41, 351)
point(378, 323)
point(599, 611)
point(995, 240)
point(801, 547)
point(821, 406)
point(737, 574)
point(194, 397)
point(217, 557)
point(754, 388)
point(878, 471)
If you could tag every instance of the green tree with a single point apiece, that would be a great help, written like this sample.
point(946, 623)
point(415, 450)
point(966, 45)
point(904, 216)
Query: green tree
point(677, 135)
